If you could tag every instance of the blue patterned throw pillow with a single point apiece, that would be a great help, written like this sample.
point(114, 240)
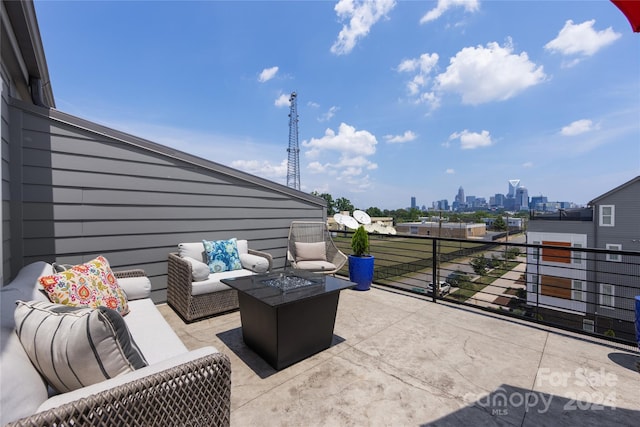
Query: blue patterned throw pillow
point(222, 255)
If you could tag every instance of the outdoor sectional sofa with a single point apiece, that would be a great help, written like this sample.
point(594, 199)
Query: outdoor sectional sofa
point(195, 293)
point(177, 387)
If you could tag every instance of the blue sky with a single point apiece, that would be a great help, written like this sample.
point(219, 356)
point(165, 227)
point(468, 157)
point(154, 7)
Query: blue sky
point(395, 98)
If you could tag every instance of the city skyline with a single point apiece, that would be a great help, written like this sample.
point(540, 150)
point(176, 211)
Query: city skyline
point(395, 99)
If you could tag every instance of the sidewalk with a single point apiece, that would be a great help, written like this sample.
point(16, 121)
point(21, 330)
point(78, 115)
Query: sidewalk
point(487, 296)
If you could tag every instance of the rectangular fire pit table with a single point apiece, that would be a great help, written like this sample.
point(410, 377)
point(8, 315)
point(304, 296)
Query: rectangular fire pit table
point(288, 316)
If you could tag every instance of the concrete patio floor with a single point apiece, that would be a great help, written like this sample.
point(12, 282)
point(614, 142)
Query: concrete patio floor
point(399, 360)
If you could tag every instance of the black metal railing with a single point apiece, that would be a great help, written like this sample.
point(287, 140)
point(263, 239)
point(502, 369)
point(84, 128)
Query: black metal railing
point(586, 290)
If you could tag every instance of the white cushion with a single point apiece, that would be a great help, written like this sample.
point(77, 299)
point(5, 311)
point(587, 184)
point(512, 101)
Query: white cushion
point(243, 247)
point(152, 333)
point(199, 270)
point(315, 265)
point(180, 359)
point(135, 287)
point(311, 251)
point(193, 250)
point(76, 346)
point(27, 280)
point(255, 263)
point(16, 367)
point(213, 284)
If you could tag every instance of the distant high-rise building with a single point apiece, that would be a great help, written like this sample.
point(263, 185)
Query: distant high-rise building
point(460, 196)
point(498, 200)
point(413, 202)
point(522, 199)
point(513, 185)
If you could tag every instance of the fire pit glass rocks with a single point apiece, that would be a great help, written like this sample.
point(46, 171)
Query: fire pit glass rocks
point(289, 281)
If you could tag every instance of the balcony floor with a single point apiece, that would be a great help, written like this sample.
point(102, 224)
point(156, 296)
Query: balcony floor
point(399, 360)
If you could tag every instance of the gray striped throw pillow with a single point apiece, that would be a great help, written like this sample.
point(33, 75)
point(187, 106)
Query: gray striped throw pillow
point(73, 347)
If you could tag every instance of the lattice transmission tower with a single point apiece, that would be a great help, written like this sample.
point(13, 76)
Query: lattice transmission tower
point(293, 162)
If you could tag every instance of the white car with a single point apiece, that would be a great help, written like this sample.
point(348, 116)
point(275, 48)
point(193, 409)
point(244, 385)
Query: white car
point(445, 288)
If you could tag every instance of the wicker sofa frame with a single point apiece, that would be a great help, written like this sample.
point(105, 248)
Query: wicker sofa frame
point(194, 307)
point(197, 393)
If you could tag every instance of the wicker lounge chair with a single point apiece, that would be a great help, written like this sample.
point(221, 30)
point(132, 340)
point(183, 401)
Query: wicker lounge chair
point(305, 251)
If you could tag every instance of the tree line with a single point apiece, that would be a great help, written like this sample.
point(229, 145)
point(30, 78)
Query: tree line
point(401, 215)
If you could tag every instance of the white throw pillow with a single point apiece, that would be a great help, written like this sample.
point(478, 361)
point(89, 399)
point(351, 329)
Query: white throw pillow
point(73, 347)
point(199, 270)
point(255, 263)
point(194, 250)
point(311, 251)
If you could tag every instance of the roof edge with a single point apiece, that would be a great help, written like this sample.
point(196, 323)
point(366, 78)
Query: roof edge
point(613, 190)
point(86, 125)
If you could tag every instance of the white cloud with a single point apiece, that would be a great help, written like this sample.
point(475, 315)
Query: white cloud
point(472, 140)
point(399, 139)
point(423, 66)
point(578, 127)
point(267, 74)
point(580, 40)
point(347, 140)
point(362, 15)
point(492, 73)
point(527, 165)
point(282, 101)
point(313, 104)
point(349, 167)
point(329, 114)
point(262, 168)
point(444, 5)
point(450, 171)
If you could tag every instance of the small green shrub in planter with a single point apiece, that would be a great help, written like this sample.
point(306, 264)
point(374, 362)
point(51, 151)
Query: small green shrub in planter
point(360, 242)
point(361, 262)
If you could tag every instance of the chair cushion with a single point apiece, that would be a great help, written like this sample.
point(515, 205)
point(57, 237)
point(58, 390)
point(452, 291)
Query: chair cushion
point(311, 251)
point(199, 270)
point(22, 389)
point(243, 247)
point(73, 347)
point(213, 284)
point(315, 265)
point(222, 255)
point(135, 287)
point(87, 285)
point(255, 263)
point(194, 250)
point(151, 332)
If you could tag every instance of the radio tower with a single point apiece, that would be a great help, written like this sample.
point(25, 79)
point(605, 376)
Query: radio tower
point(293, 163)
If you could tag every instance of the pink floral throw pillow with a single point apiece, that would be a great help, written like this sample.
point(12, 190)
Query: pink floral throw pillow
point(91, 284)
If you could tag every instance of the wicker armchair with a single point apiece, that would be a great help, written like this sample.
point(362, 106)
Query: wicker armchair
point(314, 232)
point(193, 307)
point(197, 393)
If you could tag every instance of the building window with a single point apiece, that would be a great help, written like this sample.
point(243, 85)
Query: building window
point(606, 297)
point(614, 257)
point(556, 254)
point(534, 283)
point(577, 256)
point(414, 229)
point(535, 251)
point(553, 286)
point(578, 290)
point(607, 215)
point(588, 325)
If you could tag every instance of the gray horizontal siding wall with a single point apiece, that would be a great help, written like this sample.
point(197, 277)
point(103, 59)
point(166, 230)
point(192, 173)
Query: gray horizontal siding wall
point(85, 192)
point(5, 273)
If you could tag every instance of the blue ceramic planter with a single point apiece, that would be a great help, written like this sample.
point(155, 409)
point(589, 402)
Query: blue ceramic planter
point(361, 271)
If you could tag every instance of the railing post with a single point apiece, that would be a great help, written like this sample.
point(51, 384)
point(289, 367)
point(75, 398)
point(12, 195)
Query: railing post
point(434, 272)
